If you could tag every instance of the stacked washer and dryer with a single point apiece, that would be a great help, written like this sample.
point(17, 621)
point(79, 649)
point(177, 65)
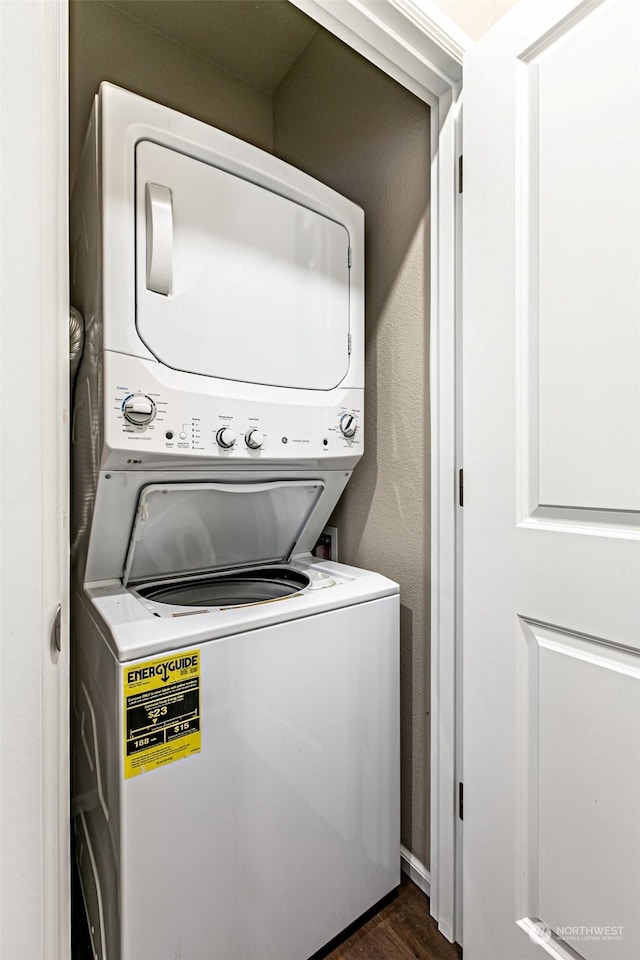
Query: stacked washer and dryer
point(235, 700)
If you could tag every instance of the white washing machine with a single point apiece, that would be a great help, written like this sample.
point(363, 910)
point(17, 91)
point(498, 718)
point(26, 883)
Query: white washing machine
point(235, 700)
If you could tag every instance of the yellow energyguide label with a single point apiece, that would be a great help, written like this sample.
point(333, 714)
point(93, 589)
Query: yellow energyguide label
point(161, 711)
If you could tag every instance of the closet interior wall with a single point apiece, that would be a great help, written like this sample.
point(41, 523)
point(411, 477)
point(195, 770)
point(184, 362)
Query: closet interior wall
point(322, 107)
point(342, 120)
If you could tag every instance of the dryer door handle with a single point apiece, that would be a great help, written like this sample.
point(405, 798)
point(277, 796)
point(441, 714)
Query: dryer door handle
point(159, 238)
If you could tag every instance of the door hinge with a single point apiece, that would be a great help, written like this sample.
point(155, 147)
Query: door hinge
point(349, 343)
point(460, 174)
point(461, 801)
point(461, 487)
point(349, 257)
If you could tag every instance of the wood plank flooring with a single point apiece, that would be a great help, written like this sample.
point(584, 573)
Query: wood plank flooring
point(402, 930)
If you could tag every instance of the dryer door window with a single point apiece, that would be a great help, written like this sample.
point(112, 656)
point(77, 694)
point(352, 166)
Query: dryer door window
point(234, 281)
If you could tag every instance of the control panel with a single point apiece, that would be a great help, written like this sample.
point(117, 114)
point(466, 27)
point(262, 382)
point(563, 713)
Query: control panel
point(145, 417)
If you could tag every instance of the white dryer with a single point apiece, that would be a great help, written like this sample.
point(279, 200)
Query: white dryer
point(235, 700)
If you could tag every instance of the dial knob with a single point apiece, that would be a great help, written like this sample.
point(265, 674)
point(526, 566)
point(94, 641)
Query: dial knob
point(348, 425)
point(226, 438)
point(138, 409)
point(253, 439)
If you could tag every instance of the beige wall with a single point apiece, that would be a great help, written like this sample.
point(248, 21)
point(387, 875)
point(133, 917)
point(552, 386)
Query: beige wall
point(347, 124)
point(475, 16)
point(106, 44)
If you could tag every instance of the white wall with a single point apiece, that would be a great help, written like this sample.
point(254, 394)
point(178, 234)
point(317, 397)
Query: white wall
point(475, 16)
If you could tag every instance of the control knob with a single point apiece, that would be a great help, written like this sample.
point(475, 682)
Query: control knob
point(253, 439)
point(348, 425)
point(226, 438)
point(139, 409)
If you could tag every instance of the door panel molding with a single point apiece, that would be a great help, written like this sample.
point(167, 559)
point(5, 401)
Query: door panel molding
point(576, 466)
point(566, 679)
point(558, 341)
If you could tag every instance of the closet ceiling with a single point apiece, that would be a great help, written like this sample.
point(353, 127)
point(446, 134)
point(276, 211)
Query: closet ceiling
point(257, 41)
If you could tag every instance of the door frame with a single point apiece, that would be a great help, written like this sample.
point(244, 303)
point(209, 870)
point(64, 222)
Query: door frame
point(414, 42)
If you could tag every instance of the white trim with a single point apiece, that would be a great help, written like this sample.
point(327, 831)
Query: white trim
point(444, 464)
point(414, 42)
point(456, 716)
point(415, 870)
point(447, 42)
point(34, 323)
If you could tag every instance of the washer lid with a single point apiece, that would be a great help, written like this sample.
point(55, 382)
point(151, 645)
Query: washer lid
point(195, 527)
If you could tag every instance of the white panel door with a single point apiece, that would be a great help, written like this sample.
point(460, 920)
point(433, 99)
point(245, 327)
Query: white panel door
point(551, 656)
point(235, 281)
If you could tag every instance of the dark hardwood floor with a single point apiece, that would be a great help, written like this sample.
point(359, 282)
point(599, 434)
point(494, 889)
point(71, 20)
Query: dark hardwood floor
point(401, 930)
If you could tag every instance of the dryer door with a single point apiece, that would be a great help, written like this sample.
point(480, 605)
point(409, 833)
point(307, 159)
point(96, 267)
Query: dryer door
point(235, 281)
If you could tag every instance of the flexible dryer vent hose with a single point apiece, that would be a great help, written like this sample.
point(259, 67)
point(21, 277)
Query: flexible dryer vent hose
point(76, 342)
point(85, 348)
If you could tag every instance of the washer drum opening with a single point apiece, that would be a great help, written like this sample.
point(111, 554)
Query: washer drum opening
point(250, 586)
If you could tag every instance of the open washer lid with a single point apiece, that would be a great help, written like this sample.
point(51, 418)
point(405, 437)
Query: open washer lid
point(187, 528)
